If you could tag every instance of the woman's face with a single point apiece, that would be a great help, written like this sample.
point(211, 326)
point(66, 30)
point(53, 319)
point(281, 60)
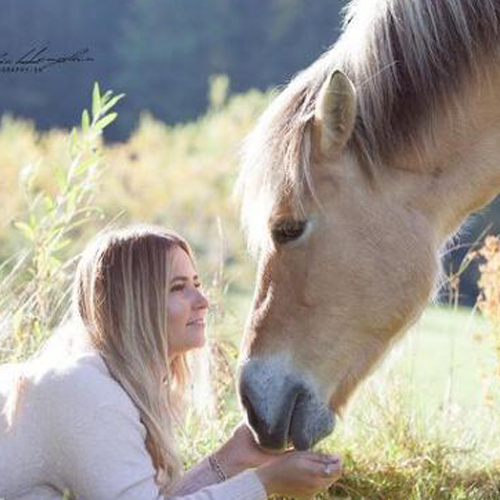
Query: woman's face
point(187, 307)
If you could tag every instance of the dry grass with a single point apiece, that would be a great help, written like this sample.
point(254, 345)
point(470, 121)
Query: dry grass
point(489, 284)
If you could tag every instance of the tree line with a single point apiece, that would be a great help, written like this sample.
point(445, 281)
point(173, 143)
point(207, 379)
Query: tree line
point(161, 53)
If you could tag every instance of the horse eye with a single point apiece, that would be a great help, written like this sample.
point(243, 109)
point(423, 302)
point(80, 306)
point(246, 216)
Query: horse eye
point(288, 230)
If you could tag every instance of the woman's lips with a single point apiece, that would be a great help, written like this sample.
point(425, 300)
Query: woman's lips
point(197, 322)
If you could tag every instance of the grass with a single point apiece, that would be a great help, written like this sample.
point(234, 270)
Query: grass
point(447, 360)
point(420, 428)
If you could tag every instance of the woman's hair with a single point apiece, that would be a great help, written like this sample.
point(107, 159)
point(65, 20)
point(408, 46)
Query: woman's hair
point(120, 296)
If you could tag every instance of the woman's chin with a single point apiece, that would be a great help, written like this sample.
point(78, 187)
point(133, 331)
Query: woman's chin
point(198, 341)
point(196, 333)
point(202, 342)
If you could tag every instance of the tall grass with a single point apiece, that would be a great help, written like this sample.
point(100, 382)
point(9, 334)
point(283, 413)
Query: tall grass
point(35, 282)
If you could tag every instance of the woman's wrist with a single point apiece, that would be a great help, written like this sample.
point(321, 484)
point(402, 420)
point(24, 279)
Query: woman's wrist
point(230, 461)
point(217, 468)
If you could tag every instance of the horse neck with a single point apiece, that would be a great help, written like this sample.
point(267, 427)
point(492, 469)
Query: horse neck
point(462, 169)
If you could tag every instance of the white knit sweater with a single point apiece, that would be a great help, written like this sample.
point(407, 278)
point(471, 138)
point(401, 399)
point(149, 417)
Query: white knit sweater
point(78, 430)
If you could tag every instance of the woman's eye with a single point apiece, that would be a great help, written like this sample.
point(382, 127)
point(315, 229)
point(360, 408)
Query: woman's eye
point(181, 287)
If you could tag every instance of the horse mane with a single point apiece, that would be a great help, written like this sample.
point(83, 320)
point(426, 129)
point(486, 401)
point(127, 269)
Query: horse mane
point(407, 59)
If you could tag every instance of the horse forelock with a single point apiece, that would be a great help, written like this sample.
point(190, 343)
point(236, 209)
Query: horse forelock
point(408, 61)
point(276, 158)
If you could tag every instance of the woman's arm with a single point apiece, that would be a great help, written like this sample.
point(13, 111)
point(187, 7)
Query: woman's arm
point(239, 453)
point(231, 458)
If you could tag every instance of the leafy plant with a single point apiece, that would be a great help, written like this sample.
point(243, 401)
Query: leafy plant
point(489, 284)
point(34, 284)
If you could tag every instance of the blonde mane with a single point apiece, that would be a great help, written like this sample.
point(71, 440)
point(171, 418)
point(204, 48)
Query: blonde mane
point(407, 59)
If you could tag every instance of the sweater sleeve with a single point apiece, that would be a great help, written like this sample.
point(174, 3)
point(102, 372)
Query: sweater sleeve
point(243, 486)
point(202, 475)
point(195, 478)
point(104, 457)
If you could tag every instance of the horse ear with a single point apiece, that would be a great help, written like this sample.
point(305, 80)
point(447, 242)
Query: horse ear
point(335, 112)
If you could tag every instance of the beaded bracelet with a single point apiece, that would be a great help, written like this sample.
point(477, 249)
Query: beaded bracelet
point(215, 466)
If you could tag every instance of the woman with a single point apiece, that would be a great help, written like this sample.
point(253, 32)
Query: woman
point(95, 413)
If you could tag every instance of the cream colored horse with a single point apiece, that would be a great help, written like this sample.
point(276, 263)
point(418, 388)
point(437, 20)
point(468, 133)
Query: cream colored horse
point(352, 182)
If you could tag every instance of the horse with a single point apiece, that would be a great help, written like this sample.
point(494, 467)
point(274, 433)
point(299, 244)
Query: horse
point(352, 182)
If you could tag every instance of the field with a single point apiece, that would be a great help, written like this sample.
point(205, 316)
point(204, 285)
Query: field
point(426, 425)
point(445, 360)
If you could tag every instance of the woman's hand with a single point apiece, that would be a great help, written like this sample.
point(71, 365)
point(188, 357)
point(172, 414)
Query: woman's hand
point(300, 474)
point(241, 452)
point(242, 439)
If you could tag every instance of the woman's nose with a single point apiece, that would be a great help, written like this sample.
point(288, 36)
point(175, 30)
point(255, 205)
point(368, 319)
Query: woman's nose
point(201, 300)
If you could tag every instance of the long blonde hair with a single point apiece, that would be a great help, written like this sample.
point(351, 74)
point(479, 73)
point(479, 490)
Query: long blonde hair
point(120, 296)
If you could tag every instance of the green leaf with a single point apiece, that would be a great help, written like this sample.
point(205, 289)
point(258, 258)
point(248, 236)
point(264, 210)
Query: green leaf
point(26, 230)
point(85, 121)
point(49, 203)
point(111, 103)
point(82, 167)
point(54, 263)
point(17, 320)
point(62, 244)
point(60, 178)
point(96, 102)
point(104, 122)
point(28, 174)
point(106, 96)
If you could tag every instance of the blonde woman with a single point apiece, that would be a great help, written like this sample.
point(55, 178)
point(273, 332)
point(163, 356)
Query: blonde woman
point(95, 414)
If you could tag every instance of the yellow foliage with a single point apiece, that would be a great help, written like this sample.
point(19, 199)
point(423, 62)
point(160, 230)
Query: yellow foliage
point(181, 176)
point(489, 284)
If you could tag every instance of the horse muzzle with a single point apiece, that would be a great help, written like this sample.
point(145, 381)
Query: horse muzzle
point(282, 408)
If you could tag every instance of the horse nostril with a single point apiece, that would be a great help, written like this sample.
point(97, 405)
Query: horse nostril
point(252, 416)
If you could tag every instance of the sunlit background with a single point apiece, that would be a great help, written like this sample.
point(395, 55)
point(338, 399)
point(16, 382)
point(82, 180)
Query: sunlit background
point(196, 74)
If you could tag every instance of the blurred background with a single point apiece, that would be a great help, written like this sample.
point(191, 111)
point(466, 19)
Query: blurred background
point(180, 124)
point(162, 53)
